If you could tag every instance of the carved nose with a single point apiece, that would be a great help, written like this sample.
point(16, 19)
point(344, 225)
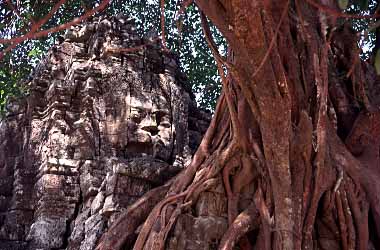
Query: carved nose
point(149, 125)
point(151, 129)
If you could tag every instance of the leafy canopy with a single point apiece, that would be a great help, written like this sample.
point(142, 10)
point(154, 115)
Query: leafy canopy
point(196, 60)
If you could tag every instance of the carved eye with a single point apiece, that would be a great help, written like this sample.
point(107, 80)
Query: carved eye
point(137, 114)
point(162, 118)
point(154, 117)
point(157, 115)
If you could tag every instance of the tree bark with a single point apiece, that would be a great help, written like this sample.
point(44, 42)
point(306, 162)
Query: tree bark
point(295, 125)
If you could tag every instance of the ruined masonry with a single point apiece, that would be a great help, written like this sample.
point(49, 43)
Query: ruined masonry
point(101, 125)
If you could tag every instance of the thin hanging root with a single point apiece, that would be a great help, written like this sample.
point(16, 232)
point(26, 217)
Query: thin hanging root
point(240, 180)
point(183, 7)
point(146, 229)
point(163, 214)
point(202, 152)
point(223, 158)
point(354, 64)
point(163, 234)
point(213, 169)
point(245, 175)
point(208, 178)
point(360, 219)
point(195, 188)
point(224, 131)
point(340, 178)
point(230, 196)
point(210, 133)
point(337, 184)
point(232, 207)
point(259, 154)
point(301, 20)
point(220, 61)
point(307, 185)
point(186, 194)
point(244, 222)
point(123, 229)
point(273, 41)
point(265, 217)
point(233, 114)
point(319, 160)
point(207, 32)
point(351, 239)
point(231, 68)
point(187, 175)
point(178, 18)
point(143, 235)
point(232, 204)
point(208, 184)
point(342, 221)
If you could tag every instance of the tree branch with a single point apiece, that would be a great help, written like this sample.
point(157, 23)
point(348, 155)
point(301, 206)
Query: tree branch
point(336, 13)
point(32, 34)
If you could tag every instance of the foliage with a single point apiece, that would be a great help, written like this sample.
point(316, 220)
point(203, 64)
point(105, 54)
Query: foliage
point(195, 57)
point(189, 43)
point(367, 35)
point(17, 65)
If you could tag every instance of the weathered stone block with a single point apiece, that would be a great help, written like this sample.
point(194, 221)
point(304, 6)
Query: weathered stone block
point(48, 232)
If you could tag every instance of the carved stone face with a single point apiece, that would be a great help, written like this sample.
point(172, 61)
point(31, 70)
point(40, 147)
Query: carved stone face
point(142, 127)
point(149, 127)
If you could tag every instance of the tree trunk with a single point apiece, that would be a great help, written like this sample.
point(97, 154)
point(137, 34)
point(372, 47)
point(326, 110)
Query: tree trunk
point(292, 152)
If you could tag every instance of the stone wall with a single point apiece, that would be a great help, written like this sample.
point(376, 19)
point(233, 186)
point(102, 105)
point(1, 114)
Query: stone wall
point(101, 125)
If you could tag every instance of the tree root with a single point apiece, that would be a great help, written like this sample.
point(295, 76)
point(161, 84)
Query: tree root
point(342, 221)
point(157, 210)
point(266, 223)
point(244, 222)
point(360, 216)
point(122, 231)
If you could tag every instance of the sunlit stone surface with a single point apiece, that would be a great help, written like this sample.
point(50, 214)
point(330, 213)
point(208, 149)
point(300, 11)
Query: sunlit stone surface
point(98, 129)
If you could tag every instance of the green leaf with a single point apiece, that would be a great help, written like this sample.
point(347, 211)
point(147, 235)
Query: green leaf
point(34, 53)
point(364, 4)
point(343, 4)
point(377, 62)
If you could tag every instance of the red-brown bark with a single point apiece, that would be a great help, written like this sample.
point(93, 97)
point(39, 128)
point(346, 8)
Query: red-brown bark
point(284, 128)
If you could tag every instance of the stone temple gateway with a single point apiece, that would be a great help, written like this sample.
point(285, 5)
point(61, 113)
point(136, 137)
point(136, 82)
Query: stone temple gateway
point(101, 125)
